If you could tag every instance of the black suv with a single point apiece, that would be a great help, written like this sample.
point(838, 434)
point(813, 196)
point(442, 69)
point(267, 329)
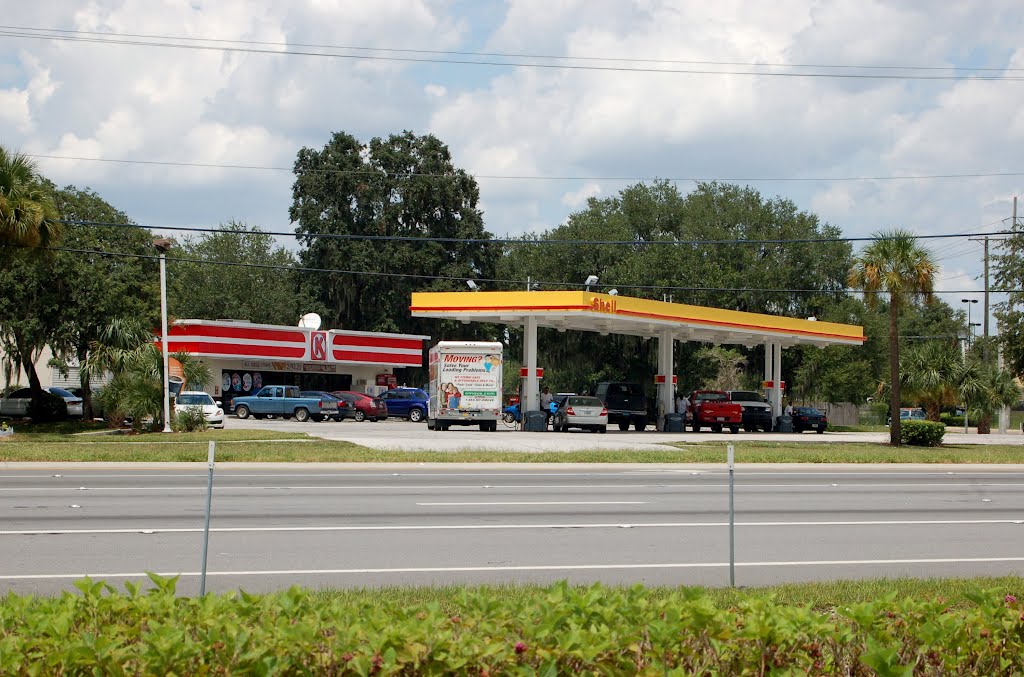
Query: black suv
point(626, 404)
point(757, 413)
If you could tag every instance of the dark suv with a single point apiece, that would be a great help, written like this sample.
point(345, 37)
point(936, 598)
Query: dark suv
point(410, 403)
point(626, 404)
point(757, 413)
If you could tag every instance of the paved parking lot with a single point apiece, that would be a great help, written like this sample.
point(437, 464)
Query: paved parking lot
point(405, 436)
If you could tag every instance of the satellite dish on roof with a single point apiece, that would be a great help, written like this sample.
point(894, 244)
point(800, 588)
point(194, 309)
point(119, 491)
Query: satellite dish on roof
point(310, 321)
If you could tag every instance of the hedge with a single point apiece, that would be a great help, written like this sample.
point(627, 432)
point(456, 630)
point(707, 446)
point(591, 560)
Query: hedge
point(564, 630)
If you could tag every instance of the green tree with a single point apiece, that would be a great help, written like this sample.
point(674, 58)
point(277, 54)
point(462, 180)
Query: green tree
point(27, 215)
point(404, 186)
point(897, 266)
point(27, 219)
point(236, 287)
point(101, 289)
point(929, 375)
point(125, 348)
point(1008, 267)
point(986, 389)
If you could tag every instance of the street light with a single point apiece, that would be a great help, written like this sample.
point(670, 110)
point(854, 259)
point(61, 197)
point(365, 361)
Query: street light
point(591, 280)
point(969, 324)
point(163, 245)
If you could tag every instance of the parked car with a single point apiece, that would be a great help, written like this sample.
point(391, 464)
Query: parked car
point(580, 411)
point(212, 411)
point(712, 409)
point(757, 413)
point(17, 403)
point(909, 414)
point(329, 412)
point(363, 406)
point(410, 403)
point(809, 418)
point(284, 401)
point(626, 404)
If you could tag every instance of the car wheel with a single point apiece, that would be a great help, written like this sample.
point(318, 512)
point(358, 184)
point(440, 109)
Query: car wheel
point(317, 418)
point(624, 426)
point(242, 411)
point(509, 417)
point(716, 428)
point(415, 415)
point(374, 420)
point(602, 429)
point(301, 415)
point(734, 429)
point(821, 431)
point(696, 427)
point(640, 424)
point(360, 416)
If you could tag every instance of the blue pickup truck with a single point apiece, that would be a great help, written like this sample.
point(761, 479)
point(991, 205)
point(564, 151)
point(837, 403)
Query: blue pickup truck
point(286, 402)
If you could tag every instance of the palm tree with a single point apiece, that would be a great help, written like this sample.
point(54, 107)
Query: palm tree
point(894, 264)
point(929, 374)
point(985, 389)
point(28, 216)
point(127, 350)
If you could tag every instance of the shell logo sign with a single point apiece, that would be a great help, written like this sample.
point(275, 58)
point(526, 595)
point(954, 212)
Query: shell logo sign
point(599, 305)
point(318, 345)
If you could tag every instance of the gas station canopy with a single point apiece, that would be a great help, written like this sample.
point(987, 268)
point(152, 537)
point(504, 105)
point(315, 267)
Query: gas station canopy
point(607, 314)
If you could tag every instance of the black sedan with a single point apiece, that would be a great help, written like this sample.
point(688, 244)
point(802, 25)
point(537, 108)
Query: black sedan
point(809, 418)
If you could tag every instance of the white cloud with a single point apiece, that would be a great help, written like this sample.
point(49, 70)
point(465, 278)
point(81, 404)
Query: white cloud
point(576, 199)
point(435, 90)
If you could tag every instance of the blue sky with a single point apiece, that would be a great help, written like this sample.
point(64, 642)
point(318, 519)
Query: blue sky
point(119, 102)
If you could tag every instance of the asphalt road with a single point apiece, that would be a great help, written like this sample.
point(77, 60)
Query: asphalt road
point(337, 526)
point(403, 435)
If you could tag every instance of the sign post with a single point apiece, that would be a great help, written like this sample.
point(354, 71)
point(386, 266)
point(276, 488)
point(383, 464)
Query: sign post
point(209, 500)
point(731, 460)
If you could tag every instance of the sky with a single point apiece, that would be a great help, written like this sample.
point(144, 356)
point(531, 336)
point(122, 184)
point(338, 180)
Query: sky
point(583, 130)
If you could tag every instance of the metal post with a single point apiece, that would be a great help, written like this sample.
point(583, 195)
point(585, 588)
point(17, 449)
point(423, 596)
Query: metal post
point(209, 501)
point(731, 459)
point(163, 328)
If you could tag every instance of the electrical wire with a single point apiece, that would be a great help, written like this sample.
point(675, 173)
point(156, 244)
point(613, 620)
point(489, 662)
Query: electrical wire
point(508, 55)
point(506, 240)
point(516, 284)
point(529, 177)
point(503, 64)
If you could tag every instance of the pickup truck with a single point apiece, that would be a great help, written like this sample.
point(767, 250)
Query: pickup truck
point(285, 401)
point(625, 402)
point(712, 409)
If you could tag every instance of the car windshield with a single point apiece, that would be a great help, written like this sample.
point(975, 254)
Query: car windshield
point(584, 402)
point(624, 389)
point(194, 399)
point(710, 397)
point(808, 411)
point(745, 396)
point(60, 392)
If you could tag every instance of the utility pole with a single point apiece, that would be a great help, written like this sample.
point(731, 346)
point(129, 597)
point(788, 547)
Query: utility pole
point(985, 321)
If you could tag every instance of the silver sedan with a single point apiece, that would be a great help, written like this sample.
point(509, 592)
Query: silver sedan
point(580, 411)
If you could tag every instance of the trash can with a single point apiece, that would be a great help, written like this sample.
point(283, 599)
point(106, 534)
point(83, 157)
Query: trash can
point(784, 424)
point(674, 423)
point(535, 422)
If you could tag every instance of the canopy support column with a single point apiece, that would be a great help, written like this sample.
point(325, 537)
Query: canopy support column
point(532, 393)
point(666, 369)
point(776, 379)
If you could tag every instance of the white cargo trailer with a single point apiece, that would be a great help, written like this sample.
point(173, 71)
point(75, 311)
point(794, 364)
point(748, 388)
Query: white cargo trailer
point(465, 384)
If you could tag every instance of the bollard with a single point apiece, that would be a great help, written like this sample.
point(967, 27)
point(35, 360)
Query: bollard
point(206, 528)
point(731, 459)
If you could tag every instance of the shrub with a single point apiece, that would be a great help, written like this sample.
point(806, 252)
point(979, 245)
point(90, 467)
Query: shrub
point(49, 408)
point(922, 433)
point(560, 630)
point(189, 420)
point(956, 421)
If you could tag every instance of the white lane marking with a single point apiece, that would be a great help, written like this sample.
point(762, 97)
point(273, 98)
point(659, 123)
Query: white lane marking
point(389, 487)
point(525, 567)
point(465, 527)
point(745, 470)
point(542, 503)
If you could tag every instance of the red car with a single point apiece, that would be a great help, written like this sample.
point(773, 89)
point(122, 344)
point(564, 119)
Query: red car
point(360, 406)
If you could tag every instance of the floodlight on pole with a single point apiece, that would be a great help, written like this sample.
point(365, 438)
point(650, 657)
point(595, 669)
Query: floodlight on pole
point(613, 292)
point(590, 281)
point(472, 285)
point(163, 245)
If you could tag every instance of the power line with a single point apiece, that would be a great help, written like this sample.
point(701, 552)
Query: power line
point(510, 55)
point(515, 284)
point(506, 240)
point(501, 64)
point(529, 177)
